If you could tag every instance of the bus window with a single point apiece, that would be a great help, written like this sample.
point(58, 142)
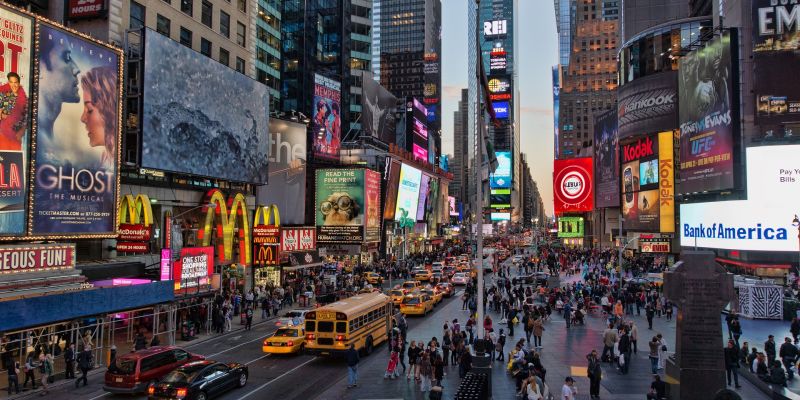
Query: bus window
point(310, 326)
point(325, 326)
point(341, 327)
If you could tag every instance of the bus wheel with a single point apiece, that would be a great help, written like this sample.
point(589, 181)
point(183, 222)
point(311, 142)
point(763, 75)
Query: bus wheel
point(368, 346)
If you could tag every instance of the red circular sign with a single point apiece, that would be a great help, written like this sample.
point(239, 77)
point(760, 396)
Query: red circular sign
point(572, 185)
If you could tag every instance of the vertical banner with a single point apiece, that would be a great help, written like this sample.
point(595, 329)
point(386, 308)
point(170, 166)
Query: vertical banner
point(372, 192)
point(326, 120)
point(606, 161)
point(166, 264)
point(666, 181)
point(77, 135)
point(391, 191)
point(16, 32)
point(266, 236)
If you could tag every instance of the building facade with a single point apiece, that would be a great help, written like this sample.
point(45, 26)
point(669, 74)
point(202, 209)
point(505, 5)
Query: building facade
point(268, 48)
point(459, 164)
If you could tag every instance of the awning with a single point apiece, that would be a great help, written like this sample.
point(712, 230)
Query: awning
point(303, 266)
point(752, 265)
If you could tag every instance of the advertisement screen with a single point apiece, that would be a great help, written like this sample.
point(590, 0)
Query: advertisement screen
point(15, 90)
point(340, 205)
point(326, 121)
point(195, 267)
point(372, 192)
point(78, 133)
point(501, 109)
point(500, 216)
point(418, 129)
point(391, 191)
point(377, 110)
point(648, 104)
point(407, 192)
point(500, 198)
point(572, 185)
point(771, 183)
point(570, 227)
point(85, 8)
point(451, 201)
point(606, 161)
point(287, 171)
point(647, 185)
point(201, 117)
point(501, 177)
point(648, 173)
point(499, 84)
point(298, 239)
point(654, 245)
point(497, 60)
point(424, 191)
point(707, 124)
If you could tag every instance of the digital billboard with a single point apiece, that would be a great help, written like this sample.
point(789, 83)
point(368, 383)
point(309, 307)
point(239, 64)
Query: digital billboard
point(500, 216)
point(75, 188)
point(572, 185)
point(451, 201)
point(776, 61)
point(326, 119)
point(418, 128)
point(763, 222)
point(340, 205)
point(201, 117)
point(648, 183)
point(501, 109)
point(495, 29)
point(194, 268)
point(500, 198)
point(648, 104)
point(424, 191)
point(606, 161)
point(407, 192)
point(570, 227)
point(391, 190)
point(706, 86)
point(372, 208)
point(501, 177)
point(15, 92)
point(498, 60)
point(287, 171)
point(377, 110)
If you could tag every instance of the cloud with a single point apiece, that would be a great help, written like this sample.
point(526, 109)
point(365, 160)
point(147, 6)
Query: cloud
point(451, 92)
point(537, 111)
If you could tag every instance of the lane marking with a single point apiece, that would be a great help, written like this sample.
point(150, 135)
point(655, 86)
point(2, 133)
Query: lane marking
point(278, 377)
point(259, 358)
point(102, 395)
point(234, 347)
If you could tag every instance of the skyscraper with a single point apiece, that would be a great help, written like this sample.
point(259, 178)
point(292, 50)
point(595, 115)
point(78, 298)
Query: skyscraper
point(459, 165)
point(268, 48)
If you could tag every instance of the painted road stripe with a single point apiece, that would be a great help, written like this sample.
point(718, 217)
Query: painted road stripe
point(278, 377)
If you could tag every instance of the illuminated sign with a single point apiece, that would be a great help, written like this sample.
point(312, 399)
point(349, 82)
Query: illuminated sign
point(648, 184)
point(36, 258)
point(572, 185)
point(654, 245)
point(166, 264)
point(194, 268)
point(225, 224)
point(497, 61)
point(570, 227)
point(501, 109)
point(135, 221)
point(495, 28)
point(85, 8)
point(499, 85)
point(298, 239)
point(266, 236)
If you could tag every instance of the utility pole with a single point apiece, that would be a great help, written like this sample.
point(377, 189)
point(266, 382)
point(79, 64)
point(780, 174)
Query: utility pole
point(479, 174)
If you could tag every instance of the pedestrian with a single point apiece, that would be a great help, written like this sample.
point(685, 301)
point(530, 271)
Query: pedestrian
point(649, 312)
point(13, 376)
point(569, 391)
point(736, 330)
point(447, 344)
point(46, 369)
point(249, 318)
point(464, 364)
point(595, 373)
point(499, 345)
point(668, 310)
point(351, 356)
point(30, 367)
point(538, 330)
point(654, 352)
point(438, 369)
point(658, 389)
point(425, 373)
point(788, 354)
point(732, 362)
point(624, 347)
point(609, 339)
point(85, 363)
point(139, 342)
point(265, 307)
point(413, 354)
point(511, 317)
point(487, 324)
point(662, 352)
point(532, 389)
point(401, 351)
point(634, 333)
point(69, 360)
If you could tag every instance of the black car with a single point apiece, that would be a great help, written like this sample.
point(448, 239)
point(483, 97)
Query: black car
point(537, 278)
point(199, 380)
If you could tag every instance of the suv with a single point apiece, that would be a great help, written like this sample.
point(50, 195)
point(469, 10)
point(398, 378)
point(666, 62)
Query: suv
point(133, 372)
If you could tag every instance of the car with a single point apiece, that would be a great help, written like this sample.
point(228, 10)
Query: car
point(416, 304)
point(437, 277)
point(292, 318)
point(537, 278)
point(287, 340)
point(199, 380)
point(448, 271)
point(437, 265)
point(446, 289)
point(409, 286)
point(436, 296)
point(450, 261)
point(133, 372)
point(460, 278)
point(422, 275)
point(397, 296)
point(373, 278)
point(518, 259)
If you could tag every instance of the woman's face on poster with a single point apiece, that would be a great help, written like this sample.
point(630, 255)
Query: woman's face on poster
point(95, 124)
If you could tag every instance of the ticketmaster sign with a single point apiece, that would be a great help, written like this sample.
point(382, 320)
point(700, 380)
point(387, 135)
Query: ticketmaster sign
point(763, 221)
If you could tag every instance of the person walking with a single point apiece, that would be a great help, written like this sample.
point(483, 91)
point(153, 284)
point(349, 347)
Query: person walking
point(438, 369)
point(351, 357)
point(46, 368)
point(538, 330)
point(732, 362)
point(653, 356)
point(425, 373)
point(624, 347)
point(499, 345)
point(13, 376)
point(649, 312)
point(609, 339)
point(248, 318)
point(30, 368)
point(85, 363)
point(788, 354)
point(568, 391)
point(769, 349)
point(662, 352)
point(413, 354)
point(595, 373)
point(736, 330)
point(69, 361)
point(634, 332)
point(464, 363)
point(447, 344)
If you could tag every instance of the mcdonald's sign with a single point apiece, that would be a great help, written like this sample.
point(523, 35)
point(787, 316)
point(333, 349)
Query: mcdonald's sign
point(266, 236)
point(224, 219)
point(135, 223)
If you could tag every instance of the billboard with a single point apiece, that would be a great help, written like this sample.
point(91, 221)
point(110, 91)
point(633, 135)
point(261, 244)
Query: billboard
point(606, 161)
point(451, 201)
point(417, 128)
point(498, 60)
point(377, 110)
point(298, 239)
point(408, 192)
point(424, 192)
point(392, 183)
point(775, 64)
point(77, 9)
point(193, 123)
point(499, 84)
point(15, 91)
point(763, 222)
point(654, 245)
point(570, 227)
point(500, 216)
point(572, 185)
point(372, 207)
point(287, 171)
point(495, 29)
point(266, 242)
point(707, 124)
point(195, 267)
point(501, 177)
point(501, 109)
point(343, 200)
point(326, 120)
point(75, 187)
point(648, 104)
point(648, 183)
point(37, 258)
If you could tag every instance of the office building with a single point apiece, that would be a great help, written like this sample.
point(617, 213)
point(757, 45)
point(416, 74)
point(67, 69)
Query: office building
point(638, 15)
point(459, 164)
point(268, 49)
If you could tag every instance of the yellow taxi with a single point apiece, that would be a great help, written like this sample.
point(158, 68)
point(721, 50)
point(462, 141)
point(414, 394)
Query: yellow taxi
point(422, 275)
point(373, 278)
point(416, 304)
point(409, 286)
point(435, 295)
point(287, 340)
point(397, 296)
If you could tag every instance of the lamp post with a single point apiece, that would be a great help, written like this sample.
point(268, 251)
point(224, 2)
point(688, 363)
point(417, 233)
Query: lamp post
point(404, 222)
point(796, 223)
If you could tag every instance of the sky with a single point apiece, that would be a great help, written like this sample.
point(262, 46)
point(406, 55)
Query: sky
point(536, 53)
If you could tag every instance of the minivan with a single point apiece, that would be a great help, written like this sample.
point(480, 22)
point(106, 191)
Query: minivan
point(133, 372)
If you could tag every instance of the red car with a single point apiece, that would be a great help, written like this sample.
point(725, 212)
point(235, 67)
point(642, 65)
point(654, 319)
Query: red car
point(446, 289)
point(133, 372)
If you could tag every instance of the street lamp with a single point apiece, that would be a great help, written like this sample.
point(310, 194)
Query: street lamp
point(796, 224)
point(404, 222)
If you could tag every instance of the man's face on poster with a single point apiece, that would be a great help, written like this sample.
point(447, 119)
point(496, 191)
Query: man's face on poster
point(62, 74)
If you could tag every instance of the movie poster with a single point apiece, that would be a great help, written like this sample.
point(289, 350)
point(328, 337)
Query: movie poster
point(340, 205)
point(15, 88)
point(77, 137)
point(326, 121)
point(606, 161)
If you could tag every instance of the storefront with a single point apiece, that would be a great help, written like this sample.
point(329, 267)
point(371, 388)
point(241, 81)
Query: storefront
point(776, 272)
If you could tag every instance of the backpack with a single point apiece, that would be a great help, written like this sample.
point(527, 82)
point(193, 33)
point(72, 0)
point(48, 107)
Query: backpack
point(529, 324)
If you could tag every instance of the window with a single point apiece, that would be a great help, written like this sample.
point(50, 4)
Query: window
point(239, 65)
point(180, 355)
point(206, 13)
point(187, 7)
point(205, 47)
point(162, 25)
point(224, 24)
point(186, 37)
point(224, 57)
point(242, 5)
point(341, 327)
point(137, 15)
point(325, 326)
point(241, 32)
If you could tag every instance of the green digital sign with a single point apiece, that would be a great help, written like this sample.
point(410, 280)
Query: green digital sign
point(570, 227)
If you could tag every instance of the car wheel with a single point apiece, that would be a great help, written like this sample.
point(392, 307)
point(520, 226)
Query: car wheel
point(242, 380)
point(202, 396)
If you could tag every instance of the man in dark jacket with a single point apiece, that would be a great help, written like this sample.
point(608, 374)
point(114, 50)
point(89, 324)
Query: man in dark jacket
point(788, 354)
point(85, 363)
point(625, 351)
point(69, 360)
point(732, 362)
point(769, 349)
point(351, 356)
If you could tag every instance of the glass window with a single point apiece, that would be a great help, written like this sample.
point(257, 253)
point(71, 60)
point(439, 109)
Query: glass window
point(137, 15)
point(241, 32)
point(325, 326)
point(186, 37)
point(309, 324)
point(224, 24)
point(187, 7)
point(242, 4)
point(162, 25)
point(206, 13)
point(225, 58)
point(205, 47)
point(180, 355)
point(341, 327)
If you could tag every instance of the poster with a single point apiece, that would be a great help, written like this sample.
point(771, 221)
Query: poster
point(648, 183)
point(78, 134)
point(287, 171)
point(377, 110)
point(340, 205)
point(570, 227)
point(648, 104)
point(501, 177)
point(707, 116)
point(391, 191)
point(16, 31)
point(326, 120)
point(424, 192)
point(194, 269)
point(451, 201)
point(407, 192)
point(606, 160)
point(372, 192)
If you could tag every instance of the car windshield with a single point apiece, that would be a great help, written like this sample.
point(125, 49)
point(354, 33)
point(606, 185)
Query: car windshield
point(409, 285)
point(284, 332)
point(411, 300)
point(397, 292)
point(292, 314)
point(123, 366)
point(182, 376)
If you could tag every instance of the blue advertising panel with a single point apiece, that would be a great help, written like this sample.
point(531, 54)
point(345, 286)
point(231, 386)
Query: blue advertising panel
point(501, 109)
point(501, 178)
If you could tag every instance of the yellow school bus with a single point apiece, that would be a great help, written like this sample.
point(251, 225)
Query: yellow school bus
point(363, 320)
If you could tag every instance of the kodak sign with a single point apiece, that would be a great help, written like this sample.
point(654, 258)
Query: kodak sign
point(666, 181)
point(230, 217)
